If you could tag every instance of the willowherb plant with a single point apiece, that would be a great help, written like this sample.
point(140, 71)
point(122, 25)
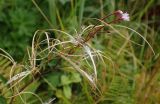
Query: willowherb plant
point(71, 52)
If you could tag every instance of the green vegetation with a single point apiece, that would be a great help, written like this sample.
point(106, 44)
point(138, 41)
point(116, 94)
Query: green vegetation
point(64, 52)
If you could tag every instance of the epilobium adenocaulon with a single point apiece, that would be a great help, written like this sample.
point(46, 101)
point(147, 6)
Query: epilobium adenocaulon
point(121, 15)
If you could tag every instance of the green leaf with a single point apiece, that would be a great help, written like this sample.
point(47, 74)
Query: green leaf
point(52, 63)
point(54, 78)
point(67, 91)
point(60, 94)
point(65, 80)
point(75, 78)
point(2, 100)
point(71, 78)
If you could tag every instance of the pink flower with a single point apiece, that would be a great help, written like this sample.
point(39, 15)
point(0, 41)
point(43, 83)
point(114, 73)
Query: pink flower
point(125, 16)
point(120, 15)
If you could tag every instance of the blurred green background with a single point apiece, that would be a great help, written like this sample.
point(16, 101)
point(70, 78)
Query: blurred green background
point(136, 79)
